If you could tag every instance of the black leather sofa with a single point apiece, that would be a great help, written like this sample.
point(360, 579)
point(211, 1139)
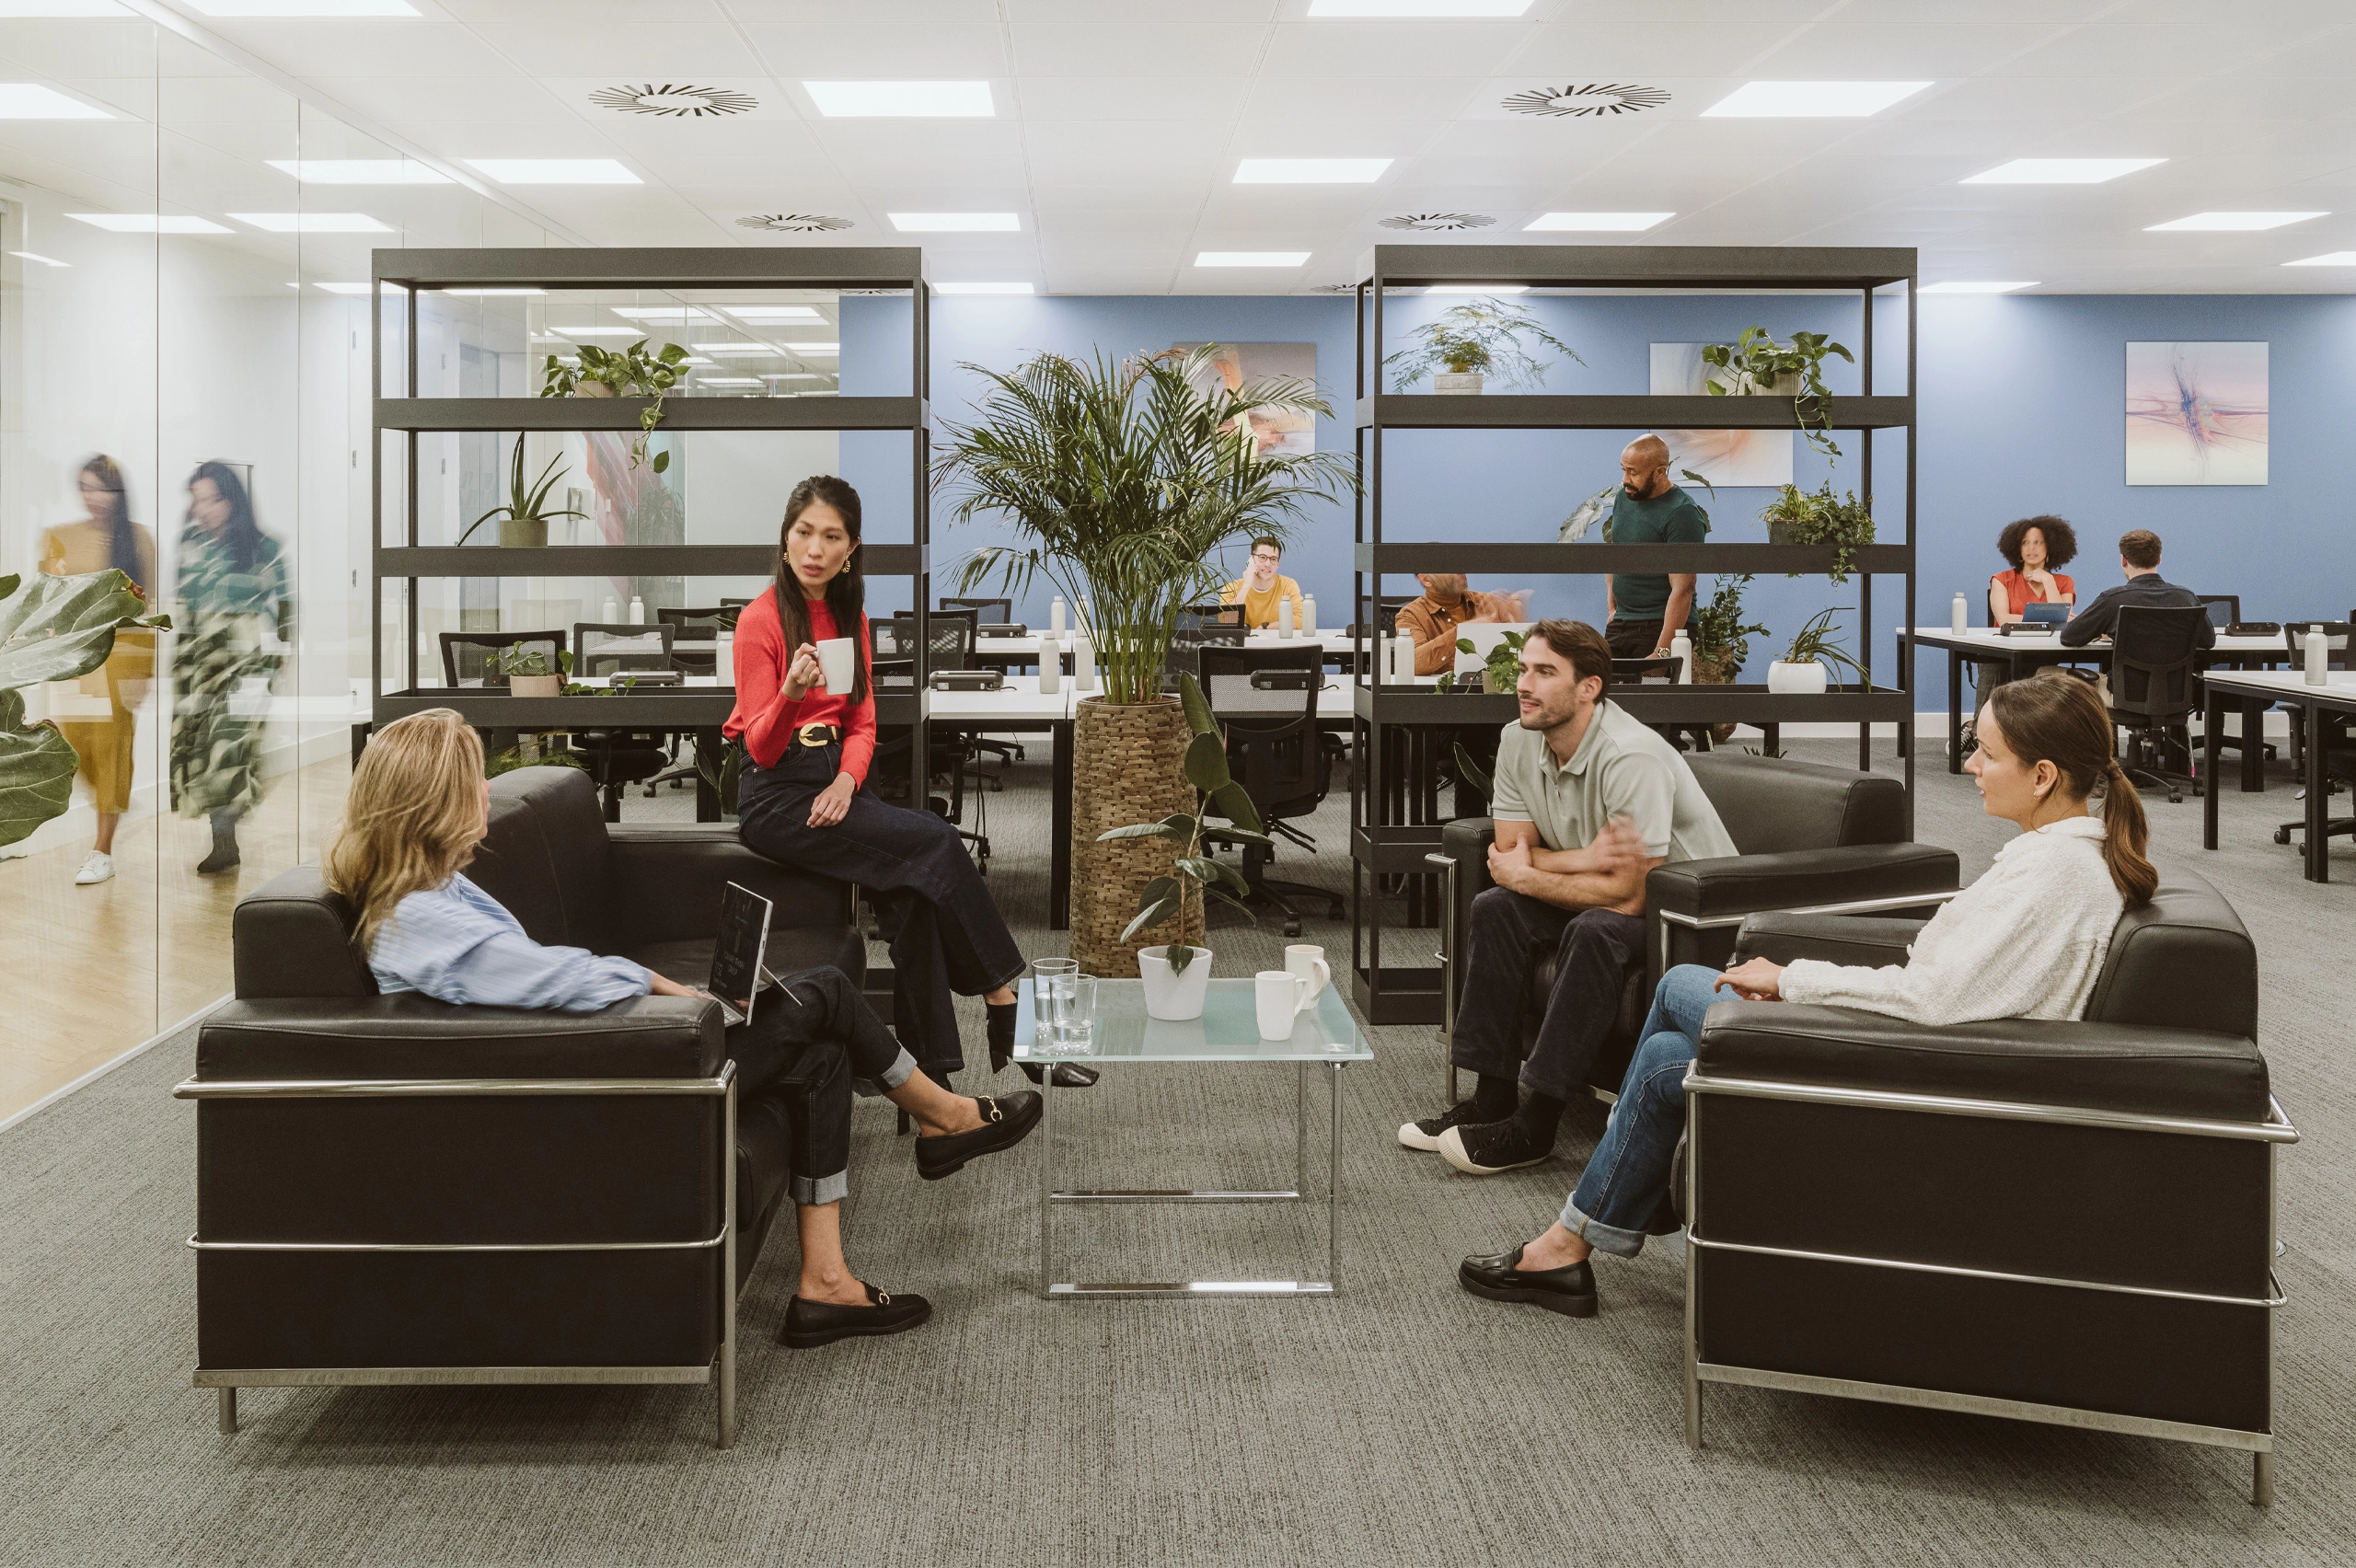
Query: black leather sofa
point(1828, 839)
point(2058, 1222)
point(391, 1190)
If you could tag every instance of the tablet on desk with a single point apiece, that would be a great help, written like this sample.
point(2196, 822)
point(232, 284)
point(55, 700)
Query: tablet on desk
point(2043, 614)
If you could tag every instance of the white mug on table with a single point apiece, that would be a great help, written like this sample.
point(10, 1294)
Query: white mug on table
point(1278, 994)
point(1306, 960)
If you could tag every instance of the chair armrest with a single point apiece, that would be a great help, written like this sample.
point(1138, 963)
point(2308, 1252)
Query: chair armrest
point(1781, 937)
point(411, 1036)
point(664, 883)
point(2116, 1068)
point(1720, 892)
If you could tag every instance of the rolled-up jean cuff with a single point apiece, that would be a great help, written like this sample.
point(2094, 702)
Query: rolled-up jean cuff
point(1601, 1237)
point(903, 1067)
point(812, 1190)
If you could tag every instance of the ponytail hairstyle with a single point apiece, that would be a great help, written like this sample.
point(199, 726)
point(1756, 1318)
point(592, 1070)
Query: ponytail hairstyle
point(2058, 718)
point(412, 818)
point(122, 538)
point(846, 591)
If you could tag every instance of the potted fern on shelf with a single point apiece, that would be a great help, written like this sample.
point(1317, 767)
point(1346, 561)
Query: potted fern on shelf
point(1802, 669)
point(1473, 338)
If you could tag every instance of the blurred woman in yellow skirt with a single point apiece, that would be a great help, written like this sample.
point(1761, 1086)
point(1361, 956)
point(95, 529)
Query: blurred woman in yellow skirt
point(108, 537)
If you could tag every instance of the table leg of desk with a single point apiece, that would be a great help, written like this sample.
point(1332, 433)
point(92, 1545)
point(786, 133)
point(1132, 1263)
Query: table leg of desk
point(1954, 712)
point(1059, 835)
point(1333, 1192)
point(2212, 719)
point(2252, 746)
point(1047, 1182)
point(707, 797)
point(2318, 798)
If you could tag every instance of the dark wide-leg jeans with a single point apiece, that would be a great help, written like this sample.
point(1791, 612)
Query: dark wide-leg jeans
point(1510, 933)
point(948, 938)
point(813, 1032)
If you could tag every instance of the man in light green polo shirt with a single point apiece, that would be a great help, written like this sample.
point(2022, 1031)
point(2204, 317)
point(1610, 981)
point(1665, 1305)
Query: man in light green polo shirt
point(1588, 800)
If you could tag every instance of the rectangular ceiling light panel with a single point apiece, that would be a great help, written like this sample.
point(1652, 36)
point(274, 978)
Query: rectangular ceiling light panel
point(814, 348)
point(666, 313)
point(1810, 101)
point(731, 347)
point(1625, 223)
point(358, 171)
point(2335, 259)
point(149, 223)
point(2232, 220)
point(1973, 288)
point(728, 381)
point(983, 288)
point(31, 100)
point(902, 100)
point(314, 222)
point(1251, 258)
point(2061, 172)
point(554, 171)
point(955, 223)
point(1310, 171)
point(770, 312)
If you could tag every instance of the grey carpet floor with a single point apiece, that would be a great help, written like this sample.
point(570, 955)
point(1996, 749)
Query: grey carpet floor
point(1401, 1421)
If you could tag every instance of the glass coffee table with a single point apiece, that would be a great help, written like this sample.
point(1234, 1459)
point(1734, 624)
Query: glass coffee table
point(1228, 1032)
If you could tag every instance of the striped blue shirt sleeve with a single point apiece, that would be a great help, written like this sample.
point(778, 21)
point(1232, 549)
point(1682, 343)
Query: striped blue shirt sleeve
point(456, 944)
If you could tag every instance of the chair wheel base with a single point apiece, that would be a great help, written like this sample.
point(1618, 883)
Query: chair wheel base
point(2282, 835)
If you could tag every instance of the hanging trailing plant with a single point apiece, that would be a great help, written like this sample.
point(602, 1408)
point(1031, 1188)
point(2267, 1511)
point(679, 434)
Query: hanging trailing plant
point(621, 373)
point(1757, 365)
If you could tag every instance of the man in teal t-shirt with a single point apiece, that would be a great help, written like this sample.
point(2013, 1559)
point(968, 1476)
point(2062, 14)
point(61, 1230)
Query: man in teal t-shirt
point(1648, 608)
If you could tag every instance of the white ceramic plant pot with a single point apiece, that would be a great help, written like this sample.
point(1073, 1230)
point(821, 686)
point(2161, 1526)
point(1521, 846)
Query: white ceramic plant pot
point(536, 685)
point(1794, 678)
point(1466, 384)
point(1177, 996)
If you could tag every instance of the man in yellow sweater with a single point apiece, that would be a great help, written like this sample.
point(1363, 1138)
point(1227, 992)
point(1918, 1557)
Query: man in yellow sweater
point(1260, 589)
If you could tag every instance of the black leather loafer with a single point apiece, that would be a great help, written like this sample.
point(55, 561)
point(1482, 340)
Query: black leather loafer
point(1068, 1075)
point(809, 1324)
point(1007, 1120)
point(1570, 1291)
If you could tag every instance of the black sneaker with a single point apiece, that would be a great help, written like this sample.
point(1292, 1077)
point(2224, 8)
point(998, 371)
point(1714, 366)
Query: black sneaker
point(1424, 1135)
point(1490, 1147)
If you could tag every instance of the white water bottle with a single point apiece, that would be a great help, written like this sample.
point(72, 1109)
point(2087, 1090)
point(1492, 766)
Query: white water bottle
point(1055, 616)
point(1960, 616)
point(1284, 617)
point(723, 655)
point(1051, 660)
point(613, 611)
point(1403, 647)
point(1308, 614)
point(1681, 648)
point(2318, 653)
point(637, 610)
point(1083, 664)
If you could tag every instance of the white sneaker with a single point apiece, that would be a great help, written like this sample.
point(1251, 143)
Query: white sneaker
point(99, 868)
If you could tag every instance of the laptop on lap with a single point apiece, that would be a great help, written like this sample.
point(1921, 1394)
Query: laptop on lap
point(736, 972)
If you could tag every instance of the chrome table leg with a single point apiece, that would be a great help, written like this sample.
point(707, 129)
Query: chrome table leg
point(228, 1404)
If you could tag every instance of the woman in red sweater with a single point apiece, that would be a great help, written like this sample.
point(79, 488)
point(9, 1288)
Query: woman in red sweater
point(802, 799)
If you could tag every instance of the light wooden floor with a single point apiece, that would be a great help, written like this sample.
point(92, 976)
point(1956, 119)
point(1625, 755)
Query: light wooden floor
point(93, 971)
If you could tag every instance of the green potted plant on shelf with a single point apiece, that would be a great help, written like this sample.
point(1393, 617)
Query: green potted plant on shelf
point(527, 671)
point(1474, 338)
point(1819, 517)
point(53, 629)
point(1501, 670)
point(1802, 666)
point(1176, 973)
point(1721, 640)
point(1123, 480)
point(524, 520)
point(1756, 366)
point(608, 373)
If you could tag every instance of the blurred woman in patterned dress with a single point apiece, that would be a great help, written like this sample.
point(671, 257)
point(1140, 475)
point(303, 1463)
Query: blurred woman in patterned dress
point(234, 612)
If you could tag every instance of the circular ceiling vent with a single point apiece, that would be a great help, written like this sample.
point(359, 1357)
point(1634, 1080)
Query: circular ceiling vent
point(1584, 99)
point(794, 222)
point(675, 100)
point(1438, 223)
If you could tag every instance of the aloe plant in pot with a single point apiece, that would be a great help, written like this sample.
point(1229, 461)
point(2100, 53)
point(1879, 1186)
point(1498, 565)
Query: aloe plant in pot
point(1802, 669)
point(524, 519)
point(1124, 479)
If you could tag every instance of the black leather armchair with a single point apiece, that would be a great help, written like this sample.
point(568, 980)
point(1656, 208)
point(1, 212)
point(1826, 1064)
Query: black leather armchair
point(1812, 837)
point(392, 1190)
point(2067, 1222)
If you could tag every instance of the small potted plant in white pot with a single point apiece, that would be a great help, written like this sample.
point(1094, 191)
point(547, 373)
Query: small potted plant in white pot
point(1176, 975)
point(1473, 338)
point(527, 671)
point(1802, 669)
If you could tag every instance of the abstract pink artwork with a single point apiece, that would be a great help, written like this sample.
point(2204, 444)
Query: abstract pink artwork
point(2196, 413)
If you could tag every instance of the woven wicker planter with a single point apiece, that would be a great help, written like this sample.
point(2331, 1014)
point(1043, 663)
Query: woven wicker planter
point(1128, 766)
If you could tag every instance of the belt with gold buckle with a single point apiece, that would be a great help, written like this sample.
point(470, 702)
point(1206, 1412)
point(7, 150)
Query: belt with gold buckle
point(817, 734)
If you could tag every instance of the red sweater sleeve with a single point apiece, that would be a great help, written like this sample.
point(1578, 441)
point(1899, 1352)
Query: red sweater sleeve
point(766, 717)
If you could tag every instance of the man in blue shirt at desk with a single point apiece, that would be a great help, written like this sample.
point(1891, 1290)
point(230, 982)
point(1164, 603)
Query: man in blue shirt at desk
point(2139, 558)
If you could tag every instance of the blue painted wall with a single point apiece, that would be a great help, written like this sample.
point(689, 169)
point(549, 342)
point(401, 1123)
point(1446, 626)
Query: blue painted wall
point(2021, 412)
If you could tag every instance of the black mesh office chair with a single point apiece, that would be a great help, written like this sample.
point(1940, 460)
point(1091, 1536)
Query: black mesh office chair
point(1200, 627)
point(1386, 613)
point(618, 758)
point(990, 612)
point(1265, 701)
point(467, 656)
point(895, 665)
point(696, 625)
point(2339, 746)
point(2155, 688)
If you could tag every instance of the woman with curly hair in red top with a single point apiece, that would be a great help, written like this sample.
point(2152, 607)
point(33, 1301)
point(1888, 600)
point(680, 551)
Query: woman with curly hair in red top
point(802, 799)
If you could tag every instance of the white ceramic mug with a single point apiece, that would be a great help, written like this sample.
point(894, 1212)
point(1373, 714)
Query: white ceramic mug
point(835, 657)
point(1306, 960)
point(1278, 994)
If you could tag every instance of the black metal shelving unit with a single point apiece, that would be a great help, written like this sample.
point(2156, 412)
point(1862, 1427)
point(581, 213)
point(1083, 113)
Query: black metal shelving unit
point(400, 276)
point(1382, 848)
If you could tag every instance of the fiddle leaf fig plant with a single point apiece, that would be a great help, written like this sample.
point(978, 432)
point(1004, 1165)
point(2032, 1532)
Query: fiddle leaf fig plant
point(1481, 334)
point(1196, 872)
point(1754, 364)
point(55, 629)
point(622, 372)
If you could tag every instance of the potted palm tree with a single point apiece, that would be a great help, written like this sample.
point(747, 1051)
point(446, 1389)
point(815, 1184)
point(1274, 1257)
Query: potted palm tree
point(1124, 479)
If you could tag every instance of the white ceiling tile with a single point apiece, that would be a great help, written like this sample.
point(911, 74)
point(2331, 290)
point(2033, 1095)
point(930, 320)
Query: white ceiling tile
point(424, 103)
point(867, 50)
point(1615, 52)
point(1393, 49)
point(1157, 49)
point(2158, 52)
point(1410, 99)
point(1837, 52)
point(626, 53)
point(1216, 99)
point(377, 49)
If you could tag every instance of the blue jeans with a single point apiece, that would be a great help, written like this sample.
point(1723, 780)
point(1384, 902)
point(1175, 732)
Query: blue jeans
point(1627, 1175)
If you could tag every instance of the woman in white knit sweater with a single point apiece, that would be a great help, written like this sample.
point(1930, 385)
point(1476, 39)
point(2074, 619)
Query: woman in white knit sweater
point(2025, 941)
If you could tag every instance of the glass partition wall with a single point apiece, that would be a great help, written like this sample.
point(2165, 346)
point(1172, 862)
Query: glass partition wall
point(182, 296)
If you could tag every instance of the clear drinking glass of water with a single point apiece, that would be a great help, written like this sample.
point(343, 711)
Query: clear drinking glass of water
point(1042, 1018)
point(1071, 1002)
